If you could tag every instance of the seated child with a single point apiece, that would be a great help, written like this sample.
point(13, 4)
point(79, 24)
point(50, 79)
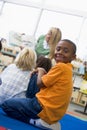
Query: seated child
point(49, 104)
point(32, 89)
point(15, 77)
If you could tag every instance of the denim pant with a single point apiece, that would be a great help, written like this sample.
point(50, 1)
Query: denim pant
point(22, 109)
point(32, 87)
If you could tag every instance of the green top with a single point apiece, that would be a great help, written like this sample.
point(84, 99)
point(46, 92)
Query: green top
point(39, 46)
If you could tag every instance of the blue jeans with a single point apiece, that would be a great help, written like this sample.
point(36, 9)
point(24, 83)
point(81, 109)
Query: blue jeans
point(22, 109)
point(32, 87)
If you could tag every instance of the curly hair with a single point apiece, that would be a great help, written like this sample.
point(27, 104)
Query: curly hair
point(44, 62)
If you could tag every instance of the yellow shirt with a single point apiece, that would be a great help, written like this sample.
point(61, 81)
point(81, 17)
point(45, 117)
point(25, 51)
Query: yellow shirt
point(55, 96)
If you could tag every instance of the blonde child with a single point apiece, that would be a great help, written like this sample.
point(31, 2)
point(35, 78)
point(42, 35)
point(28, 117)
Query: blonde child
point(16, 76)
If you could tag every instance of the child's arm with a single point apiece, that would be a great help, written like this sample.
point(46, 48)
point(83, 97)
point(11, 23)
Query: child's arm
point(41, 72)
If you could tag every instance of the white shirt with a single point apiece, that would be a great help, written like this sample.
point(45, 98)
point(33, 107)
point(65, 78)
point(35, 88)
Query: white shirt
point(45, 45)
point(14, 82)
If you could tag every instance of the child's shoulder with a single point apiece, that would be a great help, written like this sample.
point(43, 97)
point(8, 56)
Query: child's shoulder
point(11, 65)
point(60, 64)
point(63, 65)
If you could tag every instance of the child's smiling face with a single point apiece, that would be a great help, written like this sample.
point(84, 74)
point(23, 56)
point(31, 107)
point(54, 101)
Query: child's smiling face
point(64, 52)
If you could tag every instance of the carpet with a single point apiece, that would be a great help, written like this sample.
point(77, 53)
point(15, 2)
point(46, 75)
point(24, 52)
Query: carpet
point(3, 128)
point(68, 122)
point(13, 124)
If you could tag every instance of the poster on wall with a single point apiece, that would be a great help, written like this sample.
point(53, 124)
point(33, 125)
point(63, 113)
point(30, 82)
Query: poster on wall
point(21, 39)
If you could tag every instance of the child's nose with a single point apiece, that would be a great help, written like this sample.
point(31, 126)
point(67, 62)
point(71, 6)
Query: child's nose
point(60, 51)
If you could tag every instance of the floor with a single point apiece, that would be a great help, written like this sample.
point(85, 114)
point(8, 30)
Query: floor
point(77, 111)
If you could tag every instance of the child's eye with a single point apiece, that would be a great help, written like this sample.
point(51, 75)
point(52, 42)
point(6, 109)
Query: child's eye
point(58, 49)
point(66, 50)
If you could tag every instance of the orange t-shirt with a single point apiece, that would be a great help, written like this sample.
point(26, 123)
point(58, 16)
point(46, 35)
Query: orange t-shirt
point(55, 96)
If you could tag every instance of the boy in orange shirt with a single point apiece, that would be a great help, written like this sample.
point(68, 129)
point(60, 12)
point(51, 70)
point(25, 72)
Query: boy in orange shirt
point(50, 104)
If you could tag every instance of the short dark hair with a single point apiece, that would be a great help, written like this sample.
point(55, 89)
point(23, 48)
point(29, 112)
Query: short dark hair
point(0, 45)
point(44, 62)
point(73, 44)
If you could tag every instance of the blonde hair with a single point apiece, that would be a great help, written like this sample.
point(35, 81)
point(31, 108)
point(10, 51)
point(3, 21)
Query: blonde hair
point(55, 38)
point(26, 59)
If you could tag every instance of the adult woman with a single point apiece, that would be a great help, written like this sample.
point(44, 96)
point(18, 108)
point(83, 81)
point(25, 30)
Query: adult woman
point(46, 43)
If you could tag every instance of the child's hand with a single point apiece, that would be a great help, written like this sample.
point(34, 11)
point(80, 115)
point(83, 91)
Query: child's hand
point(34, 71)
point(42, 70)
point(39, 69)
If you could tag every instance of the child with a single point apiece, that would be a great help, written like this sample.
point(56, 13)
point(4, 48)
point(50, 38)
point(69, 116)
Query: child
point(50, 104)
point(32, 89)
point(15, 77)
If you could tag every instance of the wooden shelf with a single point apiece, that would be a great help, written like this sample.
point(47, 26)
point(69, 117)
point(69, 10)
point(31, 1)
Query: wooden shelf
point(8, 54)
point(79, 97)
